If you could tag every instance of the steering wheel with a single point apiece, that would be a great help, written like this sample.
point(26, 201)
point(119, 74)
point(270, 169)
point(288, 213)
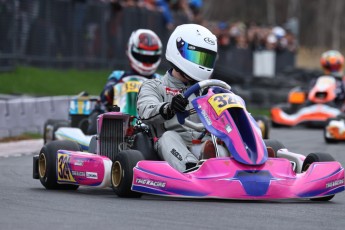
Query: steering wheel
point(181, 116)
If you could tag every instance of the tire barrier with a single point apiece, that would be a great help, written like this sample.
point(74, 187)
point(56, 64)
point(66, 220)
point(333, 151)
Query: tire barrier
point(22, 115)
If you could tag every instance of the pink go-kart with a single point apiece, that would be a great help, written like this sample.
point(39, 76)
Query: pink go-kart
point(245, 166)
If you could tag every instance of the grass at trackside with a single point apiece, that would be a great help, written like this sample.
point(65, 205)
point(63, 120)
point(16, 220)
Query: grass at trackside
point(256, 111)
point(52, 82)
point(24, 136)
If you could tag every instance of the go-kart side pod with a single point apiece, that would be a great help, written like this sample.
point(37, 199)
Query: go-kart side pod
point(69, 168)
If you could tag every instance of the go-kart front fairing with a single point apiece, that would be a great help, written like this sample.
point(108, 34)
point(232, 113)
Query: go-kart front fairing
point(225, 178)
point(248, 174)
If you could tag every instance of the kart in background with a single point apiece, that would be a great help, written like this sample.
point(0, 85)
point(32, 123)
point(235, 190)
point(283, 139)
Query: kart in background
point(80, 108)
point(311, 108)
point(334, 130)
point(84, 111)
point(246, 167)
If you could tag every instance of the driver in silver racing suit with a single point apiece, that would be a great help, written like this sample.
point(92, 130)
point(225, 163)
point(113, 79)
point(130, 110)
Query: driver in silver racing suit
point(192, 51)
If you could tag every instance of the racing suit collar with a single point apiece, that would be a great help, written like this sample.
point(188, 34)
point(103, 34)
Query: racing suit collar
point(176, 81)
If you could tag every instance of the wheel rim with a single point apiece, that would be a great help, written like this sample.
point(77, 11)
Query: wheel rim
point(116, 174)
point(42, 165)
point(262, 127)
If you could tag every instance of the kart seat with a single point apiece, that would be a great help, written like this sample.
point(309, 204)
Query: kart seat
point(271, 152)
point(207, 150)
point(144, 143)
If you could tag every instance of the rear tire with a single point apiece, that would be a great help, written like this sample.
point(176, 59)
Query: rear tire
point(317, 157)
point(47, 164)
point(122, 172)
point(264, 126)
point(92, 123)
point(275, 145)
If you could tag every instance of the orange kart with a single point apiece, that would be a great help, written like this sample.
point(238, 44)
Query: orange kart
point(311, 108)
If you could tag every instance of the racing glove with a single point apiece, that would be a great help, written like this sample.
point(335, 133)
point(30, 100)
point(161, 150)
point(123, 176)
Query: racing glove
point(178, 104)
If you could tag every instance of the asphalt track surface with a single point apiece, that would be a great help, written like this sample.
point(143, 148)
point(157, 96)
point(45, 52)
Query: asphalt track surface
point(25, 204)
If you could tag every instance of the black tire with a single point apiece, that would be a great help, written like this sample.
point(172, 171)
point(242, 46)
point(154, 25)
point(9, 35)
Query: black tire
point(49, 128)
point(122, 172)
point(327, 139)
point(144, 144)
point(317, 157)
point(275, 145)
point(47, 164)
point(92, 123)
point(277, 125)
point(93, 145)
point(341, 116)
point(76, 119)
point(84, 125)
point(264, 124)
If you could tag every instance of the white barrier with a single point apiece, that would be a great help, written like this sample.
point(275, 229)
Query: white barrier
point(21, 115)
point(264, 63)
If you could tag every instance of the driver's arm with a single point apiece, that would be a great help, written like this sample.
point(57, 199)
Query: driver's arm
point(151, 102)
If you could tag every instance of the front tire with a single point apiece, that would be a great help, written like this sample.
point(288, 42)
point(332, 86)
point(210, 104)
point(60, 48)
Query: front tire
point(317, 157)
point(47, 164)
point(327, 139)
point(122, 172)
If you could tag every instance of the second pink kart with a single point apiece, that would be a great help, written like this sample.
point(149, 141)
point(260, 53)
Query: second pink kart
point(246, 166)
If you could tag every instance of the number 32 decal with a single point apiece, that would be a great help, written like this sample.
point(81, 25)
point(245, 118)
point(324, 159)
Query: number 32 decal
point(223, 101)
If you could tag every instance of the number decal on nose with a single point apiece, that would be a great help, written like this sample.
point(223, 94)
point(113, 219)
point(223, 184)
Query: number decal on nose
point(221, 102)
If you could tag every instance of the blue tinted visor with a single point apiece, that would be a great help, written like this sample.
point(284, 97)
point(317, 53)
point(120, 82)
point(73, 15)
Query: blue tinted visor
point(197, 55)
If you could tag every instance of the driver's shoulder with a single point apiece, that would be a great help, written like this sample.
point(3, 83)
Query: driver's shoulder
point(116, 74)
point(153, 82)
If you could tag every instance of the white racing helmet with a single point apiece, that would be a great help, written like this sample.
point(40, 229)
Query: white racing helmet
point(192, 50)
point(144, 51)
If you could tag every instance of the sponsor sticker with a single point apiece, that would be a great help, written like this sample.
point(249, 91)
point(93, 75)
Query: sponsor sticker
point(334, 183)
point(176, 154)
point(77, 173)
point(228, 128)
point(207, 119)
point(79, 163)
point(150, 182)
point(209, 41)
point(171, 91)
point(92, 175)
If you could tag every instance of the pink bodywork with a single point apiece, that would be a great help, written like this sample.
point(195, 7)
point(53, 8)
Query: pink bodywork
point(249, 174)
point(83, 168)
point(225, 178)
